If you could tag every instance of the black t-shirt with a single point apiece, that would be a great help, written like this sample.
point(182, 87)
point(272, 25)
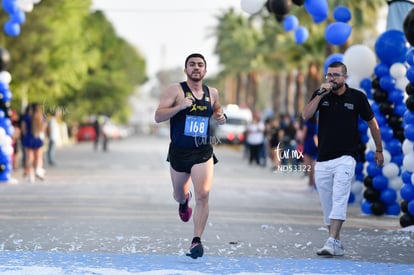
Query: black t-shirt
point(338, 123)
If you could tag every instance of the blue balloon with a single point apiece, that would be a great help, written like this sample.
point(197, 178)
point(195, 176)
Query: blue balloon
point(408, 117)
point(409, 132)
point(386, 133)
point(366, 207)
point(373, 170)
point(370, 156)
point(381, 69)
point(332, 58)
point(380, 182)
point(337, 33)
point(394, 147)
point(364, 138)
point(18, 17)
point(301, 35)
point(342, 14)
point(290, 23)
point(396, 96)
point(11, 28)
point(387, 82)
point(360, 177)
point(406, 176)
point(317, 8)
point(400, 109)
point(3, 87)
point(351, 198)
point(393, 209)
point(10, 6)
point(388, 196)
point(362, 126)
point(397, 159)
point(407, 192)
point(359, 167)
point(410, 57)
point(410, 74)
point(391, 47)
point(410, 207)
point(381, 119)
point(375, 108)
point(319, 19)
point(366, 85)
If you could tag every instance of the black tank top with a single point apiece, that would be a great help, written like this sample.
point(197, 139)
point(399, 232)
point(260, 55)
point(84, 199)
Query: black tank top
point(190, 127)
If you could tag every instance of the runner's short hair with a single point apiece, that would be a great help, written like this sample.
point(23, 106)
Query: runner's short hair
point(195, 55)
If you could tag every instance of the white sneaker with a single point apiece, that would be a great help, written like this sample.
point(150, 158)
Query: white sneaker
point(338, 248)
point(32, 178)
point(328, 248)
point(332, 247)
point(40, 173)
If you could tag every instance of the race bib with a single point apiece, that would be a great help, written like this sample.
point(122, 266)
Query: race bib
point(196, 126)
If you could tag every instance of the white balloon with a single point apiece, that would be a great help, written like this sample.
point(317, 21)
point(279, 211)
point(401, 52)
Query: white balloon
point(371, 145)
point(360, 60)
point(387, 156)
point(390, 170)
point(398, 70)
point(407, 147)
point(354, 82)
point(5, 140)
point(5, 77)
point(401, 83)
point(356, 187)
point(2, 132)
point(408, 162)
point(252, 6)
point(358, 198)
point(25, 5)
point(396, 183)
point(8, 150)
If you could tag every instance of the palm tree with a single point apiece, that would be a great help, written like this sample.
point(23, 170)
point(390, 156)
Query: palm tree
point(247, 53)
point(237, 50)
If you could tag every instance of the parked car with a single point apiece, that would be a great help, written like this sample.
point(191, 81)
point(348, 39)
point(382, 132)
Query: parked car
point(233, 131)
point(86, 132)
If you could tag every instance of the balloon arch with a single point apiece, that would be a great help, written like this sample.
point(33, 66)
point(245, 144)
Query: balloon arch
point(388, 84)
point(16, 10)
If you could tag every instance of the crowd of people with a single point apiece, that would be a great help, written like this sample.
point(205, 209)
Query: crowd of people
point(289, 143)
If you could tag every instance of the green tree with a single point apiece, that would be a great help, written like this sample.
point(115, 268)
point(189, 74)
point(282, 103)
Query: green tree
point(65, 53)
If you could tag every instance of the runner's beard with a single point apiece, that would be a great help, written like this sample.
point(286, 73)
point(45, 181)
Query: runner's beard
point(195, 77)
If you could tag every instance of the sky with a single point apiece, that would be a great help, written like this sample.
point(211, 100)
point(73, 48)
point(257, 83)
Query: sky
point(167, 31)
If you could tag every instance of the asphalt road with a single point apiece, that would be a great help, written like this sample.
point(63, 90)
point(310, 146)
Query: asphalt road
point(120, 201)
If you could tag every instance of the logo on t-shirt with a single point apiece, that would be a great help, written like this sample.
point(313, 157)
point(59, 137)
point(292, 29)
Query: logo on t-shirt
point(349, 106)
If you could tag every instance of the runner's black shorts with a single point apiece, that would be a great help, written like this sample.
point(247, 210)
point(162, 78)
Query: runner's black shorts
point(182, 159)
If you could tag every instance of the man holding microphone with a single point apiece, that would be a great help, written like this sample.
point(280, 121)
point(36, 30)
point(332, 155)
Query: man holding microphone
point(339, 107)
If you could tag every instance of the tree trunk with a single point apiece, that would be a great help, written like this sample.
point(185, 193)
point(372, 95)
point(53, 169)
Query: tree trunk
point(251, 90)
point(314, 79)
point(276, 95)
point(299, 95)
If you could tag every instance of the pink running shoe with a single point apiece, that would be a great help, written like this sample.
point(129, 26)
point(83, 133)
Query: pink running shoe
point(184, 210)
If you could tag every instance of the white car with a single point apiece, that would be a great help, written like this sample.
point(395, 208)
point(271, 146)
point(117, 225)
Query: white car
point(233, 131)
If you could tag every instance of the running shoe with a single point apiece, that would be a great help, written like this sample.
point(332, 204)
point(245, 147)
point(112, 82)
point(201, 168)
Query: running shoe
point(338, 248)
point(327, 249)
point(196, 250)
point(184, 210)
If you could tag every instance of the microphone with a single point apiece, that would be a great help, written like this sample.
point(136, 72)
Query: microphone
point(324, 90)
